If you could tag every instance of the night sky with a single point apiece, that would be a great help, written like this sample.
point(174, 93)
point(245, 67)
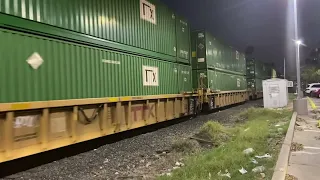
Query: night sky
point(264, 24)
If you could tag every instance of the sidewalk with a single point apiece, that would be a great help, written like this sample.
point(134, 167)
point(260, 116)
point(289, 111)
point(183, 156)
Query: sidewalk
point(305, 164)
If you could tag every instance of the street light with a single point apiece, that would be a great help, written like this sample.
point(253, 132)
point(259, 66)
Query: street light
point(298, 43)
point(300, 104)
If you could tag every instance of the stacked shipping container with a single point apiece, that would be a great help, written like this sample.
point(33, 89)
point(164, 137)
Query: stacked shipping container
point(257, 72)
point(92, 49)
point(216, 66)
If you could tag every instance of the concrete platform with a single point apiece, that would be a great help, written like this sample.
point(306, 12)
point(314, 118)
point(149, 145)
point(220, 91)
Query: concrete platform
point(305, 158)
point(305, 164)
point(304, 172)
point(307, 138)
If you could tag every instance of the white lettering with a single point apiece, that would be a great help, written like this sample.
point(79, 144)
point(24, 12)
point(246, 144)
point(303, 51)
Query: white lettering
point(184, 72)
point(184, 53)
point(200, 35)
point(110, 61)
point(237, 55)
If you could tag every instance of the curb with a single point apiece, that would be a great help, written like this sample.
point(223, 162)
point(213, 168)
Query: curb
point(280, 170)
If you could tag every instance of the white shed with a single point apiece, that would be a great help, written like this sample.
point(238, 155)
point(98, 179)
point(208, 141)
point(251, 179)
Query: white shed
point(275, 93)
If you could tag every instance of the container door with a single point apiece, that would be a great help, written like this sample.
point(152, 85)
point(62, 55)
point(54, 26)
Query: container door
point(183, 40)
point(184, 78)
point(202, 58)
point(200, 79)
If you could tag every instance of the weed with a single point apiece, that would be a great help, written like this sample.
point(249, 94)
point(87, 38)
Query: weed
point(296, 147)
point(213, 132)
point(290, 177)
point(292, 97)
point(186, 146)
point(255, 133)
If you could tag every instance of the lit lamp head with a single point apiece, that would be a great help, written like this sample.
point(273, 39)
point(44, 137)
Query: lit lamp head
point(298, 42)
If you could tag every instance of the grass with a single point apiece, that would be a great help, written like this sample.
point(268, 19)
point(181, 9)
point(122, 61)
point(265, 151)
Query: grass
point(186, 146)
point(292, 96)
point(214, 132)
point(261, 134)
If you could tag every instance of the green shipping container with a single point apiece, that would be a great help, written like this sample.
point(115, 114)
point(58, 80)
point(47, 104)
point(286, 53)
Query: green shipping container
point(208, 52)
point(183, 40)
point(148, 25)
point(242, 63)
point(257, 69)
point(255, 84)
point(218, 80)
point(34, 68)
point(184, 78)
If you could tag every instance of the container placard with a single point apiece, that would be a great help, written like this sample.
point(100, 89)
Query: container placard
point(148, 11)
point(150, 76)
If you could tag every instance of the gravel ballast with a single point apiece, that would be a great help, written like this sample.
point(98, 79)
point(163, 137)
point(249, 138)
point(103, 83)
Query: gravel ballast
point(129, 158)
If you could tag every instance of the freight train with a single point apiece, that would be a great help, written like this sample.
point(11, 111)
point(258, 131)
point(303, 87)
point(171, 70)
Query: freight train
point(72, 71)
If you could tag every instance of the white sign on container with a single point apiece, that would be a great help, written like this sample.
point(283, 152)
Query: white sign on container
point(148, 11)
point(35, 60)
point(290, 83)
point(238, 82)
point(150, 76)
point(201, 60)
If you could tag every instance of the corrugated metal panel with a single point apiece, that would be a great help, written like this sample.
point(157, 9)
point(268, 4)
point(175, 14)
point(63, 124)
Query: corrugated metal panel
point(234, 60)
point(114, 20)
point(184, 77)
point(242, 63)
point(194, 57)
point(257, 69)
point(213, 54)
point(255, 84)
point(183, 40)
point(220, 81)
point(73, 71)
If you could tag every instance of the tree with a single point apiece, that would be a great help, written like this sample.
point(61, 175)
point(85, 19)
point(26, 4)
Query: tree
point(311, 74)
